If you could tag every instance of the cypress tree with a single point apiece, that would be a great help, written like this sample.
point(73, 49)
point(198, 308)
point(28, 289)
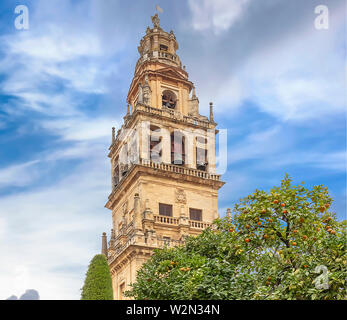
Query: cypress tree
point(98, 283)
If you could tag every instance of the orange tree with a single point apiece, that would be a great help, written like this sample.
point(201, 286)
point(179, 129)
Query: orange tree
point(282, 244)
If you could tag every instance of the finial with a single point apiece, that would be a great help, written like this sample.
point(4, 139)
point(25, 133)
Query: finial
point(128, 110)
point(229, 213)
point(104, 244)
point(211, 111)
point(113, 134)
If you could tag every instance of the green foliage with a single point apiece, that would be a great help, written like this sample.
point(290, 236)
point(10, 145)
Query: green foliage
point(98, 283)
point(269, 250)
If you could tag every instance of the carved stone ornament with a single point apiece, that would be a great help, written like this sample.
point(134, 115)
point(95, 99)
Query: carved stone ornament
point(181, 196)
point(156, 21)
point(125, 207)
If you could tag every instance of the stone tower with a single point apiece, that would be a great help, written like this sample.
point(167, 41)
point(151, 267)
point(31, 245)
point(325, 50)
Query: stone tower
point(164, 181)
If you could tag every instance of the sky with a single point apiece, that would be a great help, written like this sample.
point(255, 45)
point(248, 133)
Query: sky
point(277, 82)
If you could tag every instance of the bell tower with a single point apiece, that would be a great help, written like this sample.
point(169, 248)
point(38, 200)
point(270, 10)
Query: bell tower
point(164, 181)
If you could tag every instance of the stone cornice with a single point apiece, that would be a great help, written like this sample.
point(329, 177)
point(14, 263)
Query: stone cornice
point(168, 171)
point(160, 114)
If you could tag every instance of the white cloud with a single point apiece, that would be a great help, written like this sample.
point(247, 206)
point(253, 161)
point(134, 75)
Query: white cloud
point(219, 15)
point(297, 76)
point(52, 233)
point(60, 57)
point(258, 145)
point(273, 148)
point(330, 161)
point(288, 80)
point(55, 44)
point(81, 128)
point(18, 175)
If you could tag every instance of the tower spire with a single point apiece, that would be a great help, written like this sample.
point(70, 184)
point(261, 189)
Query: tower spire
point(229, 213)
point(211, 112)
point(104, 244)
point(113, 134)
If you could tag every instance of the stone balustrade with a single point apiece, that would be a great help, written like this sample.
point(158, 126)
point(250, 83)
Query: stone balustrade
point(165, 219)
point(199, 224)
point(172, 114)
point(161, 243)
point(117, 248)
point(170, 168)
point(180, 169)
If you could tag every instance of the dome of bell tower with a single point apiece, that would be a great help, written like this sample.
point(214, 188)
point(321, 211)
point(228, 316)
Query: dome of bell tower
point(158, 45)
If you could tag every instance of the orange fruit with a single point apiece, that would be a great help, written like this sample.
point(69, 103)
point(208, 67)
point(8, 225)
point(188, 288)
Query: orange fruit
point(295, 231)
point(284, 211)
point(305, 266)
point(247, 240)
point(327, 205)
point(275, 201)
point(270, 220)
point(231, 230)
point(266, 236)
point(259, 223)
point(305, 237)
point(283, 204)
point(318, 229)
point(247, 226)
point(294, 243)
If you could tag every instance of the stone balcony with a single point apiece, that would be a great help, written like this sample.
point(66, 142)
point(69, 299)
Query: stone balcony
point(171, 59)
point(165, 167)
point(165, 113)
point(173, 114)
point(180, 169)
point(128, 235)
point(175, 221)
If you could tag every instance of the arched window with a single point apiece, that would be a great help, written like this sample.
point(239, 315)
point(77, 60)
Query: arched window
point(201, 153)
point(169, 99)
point(177, 148)
point(155, 139)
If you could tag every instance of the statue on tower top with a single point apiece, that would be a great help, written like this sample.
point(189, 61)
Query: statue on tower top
point(156, 21)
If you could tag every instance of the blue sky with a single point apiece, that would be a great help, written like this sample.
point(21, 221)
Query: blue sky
point(277, 83)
